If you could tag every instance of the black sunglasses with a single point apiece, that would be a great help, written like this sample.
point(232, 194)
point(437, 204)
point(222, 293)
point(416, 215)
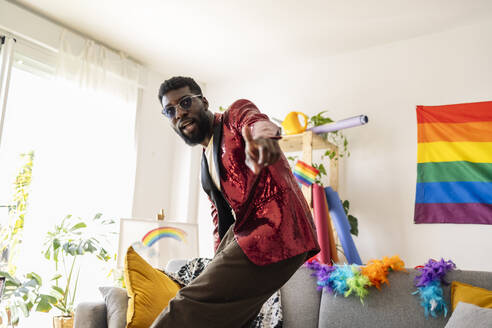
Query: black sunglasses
point(185, 103)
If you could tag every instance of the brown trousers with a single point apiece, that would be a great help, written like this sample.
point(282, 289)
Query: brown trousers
point(230, 292)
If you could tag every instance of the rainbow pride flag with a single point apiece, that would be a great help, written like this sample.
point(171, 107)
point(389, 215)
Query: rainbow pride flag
point(305, 173)
point(454, 170)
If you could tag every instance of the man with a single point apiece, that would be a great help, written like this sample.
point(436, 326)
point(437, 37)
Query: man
point(263, 226)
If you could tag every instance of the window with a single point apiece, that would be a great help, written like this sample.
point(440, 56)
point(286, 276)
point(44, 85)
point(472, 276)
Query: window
point(84, 159)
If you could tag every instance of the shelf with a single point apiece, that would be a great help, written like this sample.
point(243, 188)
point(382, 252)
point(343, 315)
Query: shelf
point(291, 143)
point(307, 142)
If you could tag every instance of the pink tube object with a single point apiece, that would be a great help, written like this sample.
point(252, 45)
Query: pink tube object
point(320, 207)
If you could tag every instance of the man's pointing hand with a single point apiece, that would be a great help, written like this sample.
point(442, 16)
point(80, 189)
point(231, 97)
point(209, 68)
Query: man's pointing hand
point(260, 152)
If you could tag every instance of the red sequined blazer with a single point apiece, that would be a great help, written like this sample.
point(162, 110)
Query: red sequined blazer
point(273, 220)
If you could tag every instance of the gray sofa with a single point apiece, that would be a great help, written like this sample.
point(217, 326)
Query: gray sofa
point(305, 307)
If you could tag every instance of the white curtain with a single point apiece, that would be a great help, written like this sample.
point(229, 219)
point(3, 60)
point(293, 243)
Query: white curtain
point(81, 127)
point(93, 66)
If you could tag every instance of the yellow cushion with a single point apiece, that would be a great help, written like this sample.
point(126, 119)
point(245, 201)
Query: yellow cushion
point(149, 289)
point(461, 292)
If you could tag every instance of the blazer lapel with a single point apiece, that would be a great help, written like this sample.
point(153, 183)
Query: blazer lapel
point(224, 211)
point(205, 176)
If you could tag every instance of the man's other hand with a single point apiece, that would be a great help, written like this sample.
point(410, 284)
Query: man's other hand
point(260, 152)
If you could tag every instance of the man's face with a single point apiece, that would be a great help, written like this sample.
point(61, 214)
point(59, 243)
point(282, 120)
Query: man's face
point(192, 124)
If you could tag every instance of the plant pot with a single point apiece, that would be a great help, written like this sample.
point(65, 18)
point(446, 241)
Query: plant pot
point(9, 319)
point(62, 321)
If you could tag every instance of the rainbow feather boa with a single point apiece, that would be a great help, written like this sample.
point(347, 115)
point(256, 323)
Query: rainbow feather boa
point(428, 283)
point(354, 279)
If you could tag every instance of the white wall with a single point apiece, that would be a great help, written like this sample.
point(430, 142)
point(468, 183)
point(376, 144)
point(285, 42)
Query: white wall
point(167, 174)
point(379, 178)
point(156, 144)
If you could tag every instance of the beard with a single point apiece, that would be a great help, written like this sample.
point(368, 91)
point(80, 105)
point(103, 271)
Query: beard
point(203, 123)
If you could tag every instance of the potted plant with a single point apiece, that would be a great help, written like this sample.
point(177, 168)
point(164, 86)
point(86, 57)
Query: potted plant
point(20, 296)
point(11, 227)
point(64, 246)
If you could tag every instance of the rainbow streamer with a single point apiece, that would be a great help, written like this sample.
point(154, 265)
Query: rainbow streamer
point(305, 173)
point(454, 170)
point(428, 283)
point(354, 279)
point(154, 235)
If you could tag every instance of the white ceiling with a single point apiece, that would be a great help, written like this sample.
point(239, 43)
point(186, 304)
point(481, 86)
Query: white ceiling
point(212, 40)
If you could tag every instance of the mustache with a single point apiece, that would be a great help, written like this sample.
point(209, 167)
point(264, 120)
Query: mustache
point(184, 122)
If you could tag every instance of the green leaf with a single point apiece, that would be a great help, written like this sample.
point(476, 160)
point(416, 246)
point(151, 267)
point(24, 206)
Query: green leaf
point(23, 290)
point(35, 276)
point(10, 278)
point(354, 225)
point(56, 277)
point(97, 216)
point(320, 119)
point(29, 306)
point(55, 255)
point(79, 225)
point(44, 305)
point(346, 206)
point(56, 243)
point(57, 292)
point(23, 308)
point(49, 298)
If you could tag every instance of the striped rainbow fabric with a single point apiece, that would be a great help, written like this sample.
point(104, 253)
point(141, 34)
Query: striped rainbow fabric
point(304, 173)
point(454, 170)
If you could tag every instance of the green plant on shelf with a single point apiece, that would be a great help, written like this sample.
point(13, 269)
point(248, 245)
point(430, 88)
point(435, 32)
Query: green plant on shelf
point(337, 138)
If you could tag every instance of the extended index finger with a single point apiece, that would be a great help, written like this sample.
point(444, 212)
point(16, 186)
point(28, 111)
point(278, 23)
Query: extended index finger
point(247, 135)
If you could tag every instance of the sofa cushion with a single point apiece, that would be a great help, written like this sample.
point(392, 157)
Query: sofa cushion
point(469, 315)
point(90, 315)
point(149, 289)
point(116, 300)
point(394, 305)
point(461, 292)
point(300, 300)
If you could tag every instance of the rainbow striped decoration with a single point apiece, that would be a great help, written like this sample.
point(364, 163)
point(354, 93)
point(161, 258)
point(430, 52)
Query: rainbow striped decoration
point(454, 170)
point(154, 235)
point(304, 173)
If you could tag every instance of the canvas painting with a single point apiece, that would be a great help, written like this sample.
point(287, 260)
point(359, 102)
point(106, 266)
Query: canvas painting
point(158, 241)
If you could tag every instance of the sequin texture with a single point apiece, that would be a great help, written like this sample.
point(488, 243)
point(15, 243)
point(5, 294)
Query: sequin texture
point(273, 220)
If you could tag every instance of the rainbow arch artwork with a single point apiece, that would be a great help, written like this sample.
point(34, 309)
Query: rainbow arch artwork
point(154, 235)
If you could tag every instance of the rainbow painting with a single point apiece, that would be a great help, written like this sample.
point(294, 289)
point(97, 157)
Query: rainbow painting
point(305, 173)
point(154, 235)
point(454, 169)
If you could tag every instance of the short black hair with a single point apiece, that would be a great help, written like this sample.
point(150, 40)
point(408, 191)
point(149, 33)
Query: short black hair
point(177, 82)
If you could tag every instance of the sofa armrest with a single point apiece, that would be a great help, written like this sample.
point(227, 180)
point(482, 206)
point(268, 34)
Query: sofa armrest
point(90, 315)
